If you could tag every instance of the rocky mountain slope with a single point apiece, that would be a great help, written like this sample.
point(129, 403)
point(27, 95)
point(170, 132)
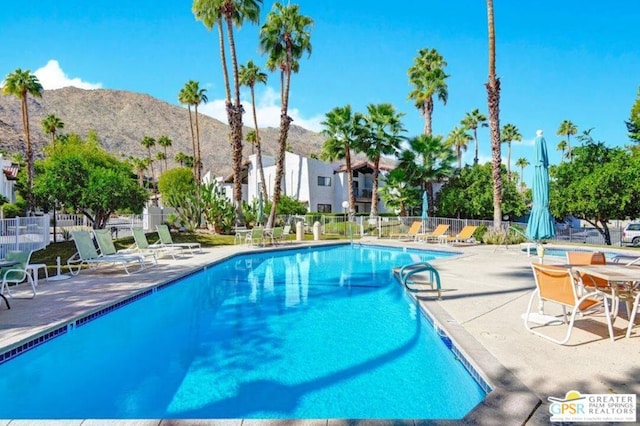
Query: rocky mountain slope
point(121, 119)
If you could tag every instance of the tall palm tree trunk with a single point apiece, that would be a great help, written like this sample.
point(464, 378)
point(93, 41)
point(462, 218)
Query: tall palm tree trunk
point(493, 101)
point(27, 137)
point(285, 122)
point(428, 114)
point(193, 140)
point(263, 184)
point(235, 123)
point(475, 140)
point(223, 61)
point(352, 196)
point(197, 160)
point(374, 186)
point(508, 161)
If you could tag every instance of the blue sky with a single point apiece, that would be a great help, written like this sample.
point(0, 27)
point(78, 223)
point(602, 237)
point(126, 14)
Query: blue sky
point(557, 60)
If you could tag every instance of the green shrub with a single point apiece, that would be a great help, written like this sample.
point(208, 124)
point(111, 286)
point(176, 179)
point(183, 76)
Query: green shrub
point(11, 211)
point(479, 233)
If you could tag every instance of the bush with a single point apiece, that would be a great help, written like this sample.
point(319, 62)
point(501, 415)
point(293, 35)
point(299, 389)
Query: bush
point(11, 211)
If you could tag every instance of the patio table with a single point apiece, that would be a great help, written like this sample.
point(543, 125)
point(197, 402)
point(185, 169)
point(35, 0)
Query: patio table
point(622, 280)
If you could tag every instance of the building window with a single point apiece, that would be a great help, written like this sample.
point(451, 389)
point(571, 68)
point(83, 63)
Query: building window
point(324, 208)
point(324, 181)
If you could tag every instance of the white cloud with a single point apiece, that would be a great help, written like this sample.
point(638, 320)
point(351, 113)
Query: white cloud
point(52, 77)
point(267, 110)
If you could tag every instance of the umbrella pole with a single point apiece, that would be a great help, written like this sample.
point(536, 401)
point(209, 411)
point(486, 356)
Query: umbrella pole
point(540, 252)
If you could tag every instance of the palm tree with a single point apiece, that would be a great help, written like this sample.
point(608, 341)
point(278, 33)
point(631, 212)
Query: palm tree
point(493, 103)
point(189, 161)
point(427, 159)
point(50, 125)
point(140, 165)
point(252, 139)
point(148, 142)
point(509, 134)
point(428, 79)
point(251, 74)
point(20, 84)
point(562, 147)
point(198, 97)
point(522, 163)
point(397, 194)
point(160, 156)
point(383, 128)
point(180, 158)
point(285, 38)
point(165, 142)
point(567, 128)
point(342, 129)
point(472, 121)
point(185, 96)
point(233, 12)
point(459, 140)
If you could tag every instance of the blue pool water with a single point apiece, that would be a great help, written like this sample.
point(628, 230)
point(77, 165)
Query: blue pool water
point(312, 333)
point(562, 252)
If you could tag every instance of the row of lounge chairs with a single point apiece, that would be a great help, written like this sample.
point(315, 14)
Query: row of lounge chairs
point(15, 267)
point(439, 234)
point(106, 252)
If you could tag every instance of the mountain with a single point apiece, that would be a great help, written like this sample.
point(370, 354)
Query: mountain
point(121, 119)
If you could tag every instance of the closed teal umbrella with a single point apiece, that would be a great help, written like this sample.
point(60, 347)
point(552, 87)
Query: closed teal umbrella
point(425, 210)
point(541, 225)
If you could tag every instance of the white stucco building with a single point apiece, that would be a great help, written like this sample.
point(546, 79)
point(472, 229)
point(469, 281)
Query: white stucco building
point(323, 186)
point(8, 178)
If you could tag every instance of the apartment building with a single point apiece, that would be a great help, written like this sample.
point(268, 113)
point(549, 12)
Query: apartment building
point(323, 186)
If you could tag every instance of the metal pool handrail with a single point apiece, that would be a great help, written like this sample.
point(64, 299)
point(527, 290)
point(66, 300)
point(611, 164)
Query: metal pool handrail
point(407, 271)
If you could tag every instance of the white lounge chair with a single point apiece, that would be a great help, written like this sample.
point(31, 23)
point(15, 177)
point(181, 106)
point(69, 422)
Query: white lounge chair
point(107, 248)
point(142, 245)
point(166, 241)
point(87, 254)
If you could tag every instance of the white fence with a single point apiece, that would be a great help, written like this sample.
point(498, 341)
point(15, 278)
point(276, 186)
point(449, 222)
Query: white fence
point(24, 233)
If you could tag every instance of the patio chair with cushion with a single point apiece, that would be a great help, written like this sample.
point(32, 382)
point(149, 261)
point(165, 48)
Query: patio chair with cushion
point(592, 282)
point(437, 233)
point(634, 312)
point(17, 272)
point(166, 241)
point(87, 254)
point(556, 284)
point(411, 233)
point(464, 236)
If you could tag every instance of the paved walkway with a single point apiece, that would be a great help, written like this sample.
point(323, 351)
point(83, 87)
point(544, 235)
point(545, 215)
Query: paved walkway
point(488, 290)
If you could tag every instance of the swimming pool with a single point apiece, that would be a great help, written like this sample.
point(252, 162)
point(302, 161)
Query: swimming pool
point(312, 333)
point(611, 256)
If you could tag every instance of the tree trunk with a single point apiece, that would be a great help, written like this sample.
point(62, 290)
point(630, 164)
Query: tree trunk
point(263, 184)
point(29, 152)
point(223, 61)
point(475, 139)
point(508, 161)
point(197, 160)
point(193, 142)
point(352, 196)
point(374, 187)
point(285, 122)
point(236, 128)
point(493, 101)
point(428, 113)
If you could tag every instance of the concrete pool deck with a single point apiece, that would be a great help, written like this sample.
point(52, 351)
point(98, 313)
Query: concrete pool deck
point(488, 289)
